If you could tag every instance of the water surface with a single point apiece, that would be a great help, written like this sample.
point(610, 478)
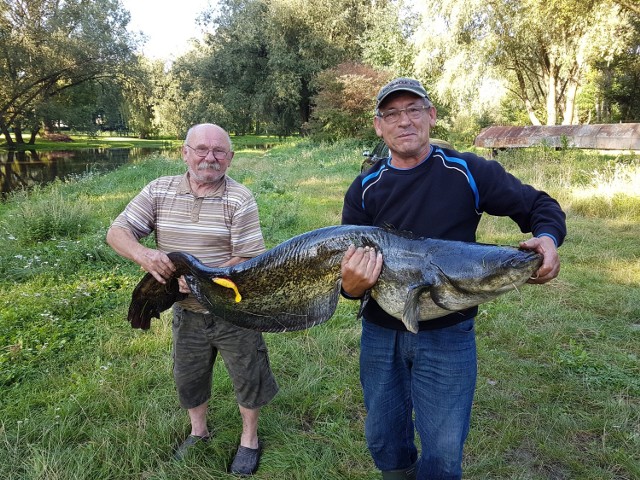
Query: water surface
point(25, 169)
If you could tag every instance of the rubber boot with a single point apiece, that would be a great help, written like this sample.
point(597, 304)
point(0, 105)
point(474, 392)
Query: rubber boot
point(404, 474)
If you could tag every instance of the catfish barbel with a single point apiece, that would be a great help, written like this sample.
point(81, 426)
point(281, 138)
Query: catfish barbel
point(296, 284)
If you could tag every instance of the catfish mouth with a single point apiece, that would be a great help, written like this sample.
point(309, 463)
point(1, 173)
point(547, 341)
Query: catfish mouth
point(506, 275)
point(523, 259)
point(516, 270)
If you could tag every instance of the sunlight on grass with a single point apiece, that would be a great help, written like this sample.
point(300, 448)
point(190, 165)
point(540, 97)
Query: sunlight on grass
point(614, 179)
point(613, 191)
point(624, 272)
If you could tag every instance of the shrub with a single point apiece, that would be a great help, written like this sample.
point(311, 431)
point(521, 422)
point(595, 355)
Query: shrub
point(345, 101)
point(46, 217)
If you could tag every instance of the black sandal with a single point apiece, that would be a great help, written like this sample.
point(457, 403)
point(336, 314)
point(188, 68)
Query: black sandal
point(246, 460)
point(184, 448)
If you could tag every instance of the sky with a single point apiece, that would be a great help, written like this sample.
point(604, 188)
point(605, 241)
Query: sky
point(168, 24)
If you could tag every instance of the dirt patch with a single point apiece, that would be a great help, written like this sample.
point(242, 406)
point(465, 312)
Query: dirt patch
point(57, 137)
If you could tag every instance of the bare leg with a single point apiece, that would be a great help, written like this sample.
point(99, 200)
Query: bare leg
point(199, 431)
point(249, 437)
point(198, 416)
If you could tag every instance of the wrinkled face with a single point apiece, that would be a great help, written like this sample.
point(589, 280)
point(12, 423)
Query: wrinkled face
point(211, 167)
point(408, 139)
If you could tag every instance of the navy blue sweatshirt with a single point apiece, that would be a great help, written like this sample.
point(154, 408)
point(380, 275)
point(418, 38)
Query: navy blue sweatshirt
point(444, 197)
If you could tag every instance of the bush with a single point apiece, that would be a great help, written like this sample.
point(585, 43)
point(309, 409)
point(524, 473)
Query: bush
point(52, 216)
point(345, 102)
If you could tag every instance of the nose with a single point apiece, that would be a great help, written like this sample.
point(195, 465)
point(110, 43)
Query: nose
point(404, 116)
point(210, 153)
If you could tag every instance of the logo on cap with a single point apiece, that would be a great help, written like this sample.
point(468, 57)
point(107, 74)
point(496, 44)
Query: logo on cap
point(401, 84)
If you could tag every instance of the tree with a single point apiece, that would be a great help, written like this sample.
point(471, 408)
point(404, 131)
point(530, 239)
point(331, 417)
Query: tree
point(616, 84)
point(542, 49)
point(265, 55)
point(630, 5)
point(345, 101)
point(141, 96)
point(48, 46)
point(386, 40)
point(185, 95)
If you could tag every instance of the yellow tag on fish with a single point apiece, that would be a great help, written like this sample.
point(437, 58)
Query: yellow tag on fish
point(225, 282)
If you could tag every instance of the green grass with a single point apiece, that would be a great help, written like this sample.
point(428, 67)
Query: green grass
point(84, 396)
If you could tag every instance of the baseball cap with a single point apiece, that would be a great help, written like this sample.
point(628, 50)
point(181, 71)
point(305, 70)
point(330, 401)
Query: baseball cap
point(401, 84)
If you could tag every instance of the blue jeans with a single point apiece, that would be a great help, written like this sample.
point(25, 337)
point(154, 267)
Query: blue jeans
point(432, 373)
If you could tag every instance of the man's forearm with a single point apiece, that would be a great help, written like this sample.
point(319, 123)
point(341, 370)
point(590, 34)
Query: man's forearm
point(125, 244)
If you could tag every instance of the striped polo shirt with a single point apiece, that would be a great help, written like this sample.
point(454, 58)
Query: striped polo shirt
point(213, 228)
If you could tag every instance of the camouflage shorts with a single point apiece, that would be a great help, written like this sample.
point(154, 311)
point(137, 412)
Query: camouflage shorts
point(197, 339)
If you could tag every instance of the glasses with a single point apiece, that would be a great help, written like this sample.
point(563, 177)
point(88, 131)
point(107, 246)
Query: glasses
point(202, 152)
point(413, 112)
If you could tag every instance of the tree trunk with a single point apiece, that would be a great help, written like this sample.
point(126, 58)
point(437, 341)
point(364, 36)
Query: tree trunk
point(523, 94)
point(7, 135)
point(17, 132)
point(49, 126)
point(551, 95)
point(34, 132)
point(570, 102)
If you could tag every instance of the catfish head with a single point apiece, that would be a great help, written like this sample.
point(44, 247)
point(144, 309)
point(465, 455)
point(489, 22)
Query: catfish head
point(495, 270)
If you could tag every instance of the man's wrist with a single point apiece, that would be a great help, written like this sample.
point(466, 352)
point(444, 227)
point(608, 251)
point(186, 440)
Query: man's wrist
point(555, 240)
point(347, 296)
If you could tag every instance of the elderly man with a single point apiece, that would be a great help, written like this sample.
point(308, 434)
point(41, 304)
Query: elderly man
point(209, 215)
point(439, 193)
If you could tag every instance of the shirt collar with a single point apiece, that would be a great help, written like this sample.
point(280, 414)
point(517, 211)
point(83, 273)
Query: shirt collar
point(184, 187)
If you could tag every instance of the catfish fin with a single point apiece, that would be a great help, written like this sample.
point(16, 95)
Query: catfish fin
point(363, 303)
point(150, 298)
point(448, 297)
point(411, 313)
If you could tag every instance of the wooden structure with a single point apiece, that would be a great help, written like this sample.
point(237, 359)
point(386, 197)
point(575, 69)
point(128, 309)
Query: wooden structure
point(613, 136)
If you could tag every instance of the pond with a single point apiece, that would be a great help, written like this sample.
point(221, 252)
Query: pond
point(25, 169)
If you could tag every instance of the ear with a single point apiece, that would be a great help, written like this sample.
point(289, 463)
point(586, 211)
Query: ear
point(185, 152)
point(432, 116)
point(377, 125)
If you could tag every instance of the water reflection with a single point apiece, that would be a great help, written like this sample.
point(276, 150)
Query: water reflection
point(25, 169)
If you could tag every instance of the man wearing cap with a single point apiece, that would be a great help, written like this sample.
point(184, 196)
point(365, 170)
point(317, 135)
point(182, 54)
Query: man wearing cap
point(439, 193)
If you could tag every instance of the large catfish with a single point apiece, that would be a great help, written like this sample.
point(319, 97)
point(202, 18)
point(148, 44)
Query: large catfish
point(296, 284)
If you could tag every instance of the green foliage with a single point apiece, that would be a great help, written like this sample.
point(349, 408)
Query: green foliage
point(85, 396)
point(542, 52)
point(259, 71)
point(185, 96)
point(50, 215)
point(49, 47)
point(263, 65)
point(617, 83)
point(464, 128)
point(386, 41)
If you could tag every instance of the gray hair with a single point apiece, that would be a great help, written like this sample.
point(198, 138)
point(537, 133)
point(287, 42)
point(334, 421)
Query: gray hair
point(193, 127)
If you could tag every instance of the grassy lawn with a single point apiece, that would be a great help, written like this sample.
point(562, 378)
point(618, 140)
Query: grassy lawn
point(84, 396)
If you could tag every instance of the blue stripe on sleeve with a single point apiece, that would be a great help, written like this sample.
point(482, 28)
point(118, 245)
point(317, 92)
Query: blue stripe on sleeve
point(370, 179)
point(467, 173)
point(555, 240)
